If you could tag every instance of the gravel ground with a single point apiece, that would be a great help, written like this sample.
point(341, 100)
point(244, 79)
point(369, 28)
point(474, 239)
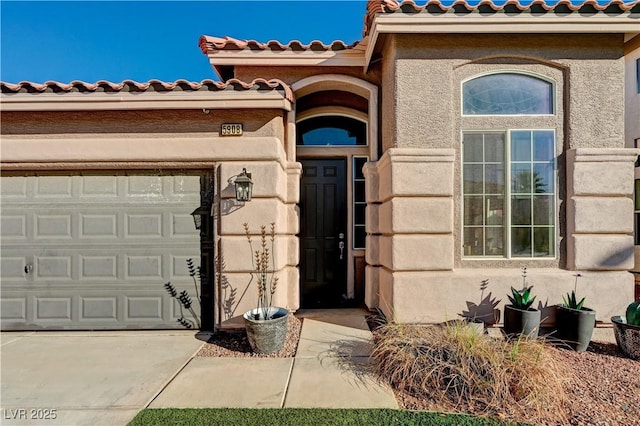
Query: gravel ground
point(236, 344)
point(602, 385)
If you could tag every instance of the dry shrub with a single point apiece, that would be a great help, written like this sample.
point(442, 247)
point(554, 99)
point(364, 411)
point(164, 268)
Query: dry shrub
point(460, 370)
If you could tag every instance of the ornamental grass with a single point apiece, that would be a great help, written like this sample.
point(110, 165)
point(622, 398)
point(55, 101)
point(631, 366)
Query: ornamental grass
point(458, 369)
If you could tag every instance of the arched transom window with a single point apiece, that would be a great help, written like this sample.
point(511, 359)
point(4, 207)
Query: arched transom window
point(331, 130)
point(507, 94)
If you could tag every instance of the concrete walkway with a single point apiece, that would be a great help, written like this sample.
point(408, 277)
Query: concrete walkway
point(87, 378)
point(105, 378)
point(330, 370)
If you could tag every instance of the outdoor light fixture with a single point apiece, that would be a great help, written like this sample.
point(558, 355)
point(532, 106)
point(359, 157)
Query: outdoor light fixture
point(198, 213)
point(244, 185)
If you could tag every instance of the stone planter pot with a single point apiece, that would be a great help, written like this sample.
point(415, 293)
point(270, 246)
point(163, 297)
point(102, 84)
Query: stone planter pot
point(266, 336)
point(627, 337)
point(521, 322)
point(575, 327)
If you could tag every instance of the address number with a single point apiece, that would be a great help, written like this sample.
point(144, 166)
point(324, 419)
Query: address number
point(231, 130)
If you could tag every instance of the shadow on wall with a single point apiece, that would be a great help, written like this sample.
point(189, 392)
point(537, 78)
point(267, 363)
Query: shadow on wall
point(486, 310)
point(618, 258)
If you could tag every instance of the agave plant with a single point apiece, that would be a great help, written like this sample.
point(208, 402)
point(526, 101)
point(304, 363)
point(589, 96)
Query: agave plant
point(571, 301)
point(521, 299)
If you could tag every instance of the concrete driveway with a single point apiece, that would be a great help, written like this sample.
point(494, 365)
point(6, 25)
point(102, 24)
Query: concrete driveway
point(87, 378)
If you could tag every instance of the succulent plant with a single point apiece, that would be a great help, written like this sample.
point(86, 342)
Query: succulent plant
point(633, 313)
point(571, 301)
point(521, 299)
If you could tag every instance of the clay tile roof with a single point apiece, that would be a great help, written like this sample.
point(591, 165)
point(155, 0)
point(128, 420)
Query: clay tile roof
point(487, 6)
point(210, 44)
point(150, 86)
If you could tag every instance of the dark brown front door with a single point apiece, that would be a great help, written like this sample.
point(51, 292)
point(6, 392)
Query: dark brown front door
point(323, 233)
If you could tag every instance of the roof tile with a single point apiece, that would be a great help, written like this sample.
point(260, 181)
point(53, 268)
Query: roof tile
point(150, 86)
point(210, 44)
point(375, 7)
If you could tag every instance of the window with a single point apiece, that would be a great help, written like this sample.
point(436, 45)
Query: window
point(507, 94)
point(509, 193)
point(331, 130)
point(359, 203)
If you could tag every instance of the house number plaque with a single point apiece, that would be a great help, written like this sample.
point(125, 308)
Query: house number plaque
point(231, 129)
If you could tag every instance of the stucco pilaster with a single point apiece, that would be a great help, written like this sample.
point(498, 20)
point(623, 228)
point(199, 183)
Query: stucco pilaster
point(410, 218)
point(600, 208)
point(372, 290)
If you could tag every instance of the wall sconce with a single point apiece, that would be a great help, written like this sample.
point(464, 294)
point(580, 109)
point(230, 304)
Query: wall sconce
point(198, 213)
point(244, 186)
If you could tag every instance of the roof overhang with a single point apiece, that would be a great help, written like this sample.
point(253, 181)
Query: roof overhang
point(346, 58)
point(500, 23)
point(224, 99)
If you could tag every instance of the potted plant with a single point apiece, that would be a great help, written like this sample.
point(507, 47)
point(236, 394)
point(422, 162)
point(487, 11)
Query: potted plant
point(574, 321)
point(266, 325)
point(627, 331)
point(519, 317)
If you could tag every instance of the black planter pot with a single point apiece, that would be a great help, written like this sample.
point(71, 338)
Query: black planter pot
point(575, 327)
point(521, 322)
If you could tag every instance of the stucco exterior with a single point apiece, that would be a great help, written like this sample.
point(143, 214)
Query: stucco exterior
point(404, 81)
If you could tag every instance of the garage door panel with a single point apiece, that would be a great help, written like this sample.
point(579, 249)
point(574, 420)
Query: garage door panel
point(99, 187)
point(13, 226)
point(14, 188)
point(98, 225)
point(59, 187)
point(14, 309)
point(53, 308)
point(13, 268)
point(97, 308)
point(98, 267)
point(100, 249)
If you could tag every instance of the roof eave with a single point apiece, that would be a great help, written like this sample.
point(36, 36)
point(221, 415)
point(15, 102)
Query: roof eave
point(346, 58)
point(473, 23)
point(143, 101)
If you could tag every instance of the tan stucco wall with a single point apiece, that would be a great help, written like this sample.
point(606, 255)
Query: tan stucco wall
point(421, 106)
point(291, 74)
point(632, 93)
point(256, 122)
point(189, 140)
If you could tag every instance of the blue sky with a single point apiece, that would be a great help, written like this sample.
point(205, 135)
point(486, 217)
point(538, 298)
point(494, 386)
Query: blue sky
point(143, 40)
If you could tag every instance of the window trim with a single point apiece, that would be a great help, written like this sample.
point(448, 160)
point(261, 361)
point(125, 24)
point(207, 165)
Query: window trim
point(507, 226)
point(554, 94)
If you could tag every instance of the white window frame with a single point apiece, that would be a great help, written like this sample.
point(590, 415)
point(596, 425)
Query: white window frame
point(553, 100)
point(507, 226)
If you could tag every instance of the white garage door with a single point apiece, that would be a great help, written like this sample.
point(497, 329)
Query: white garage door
point(94, 251)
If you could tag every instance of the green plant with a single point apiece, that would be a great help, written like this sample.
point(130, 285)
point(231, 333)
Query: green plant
point(521, 299)
point(571, 301)
point(633, 313)
point(264, 264)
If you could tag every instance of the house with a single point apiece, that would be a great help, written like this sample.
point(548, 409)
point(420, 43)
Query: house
point(453, 144)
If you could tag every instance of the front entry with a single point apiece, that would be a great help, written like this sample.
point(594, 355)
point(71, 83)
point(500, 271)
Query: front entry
point(323, 233)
